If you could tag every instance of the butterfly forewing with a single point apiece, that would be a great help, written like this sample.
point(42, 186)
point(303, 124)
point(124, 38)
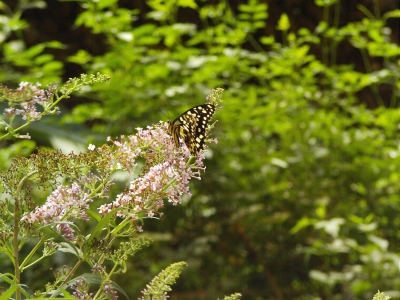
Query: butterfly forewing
point(191, 127)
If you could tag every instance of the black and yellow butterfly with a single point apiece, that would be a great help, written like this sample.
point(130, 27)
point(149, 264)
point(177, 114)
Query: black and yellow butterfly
point(191, 127)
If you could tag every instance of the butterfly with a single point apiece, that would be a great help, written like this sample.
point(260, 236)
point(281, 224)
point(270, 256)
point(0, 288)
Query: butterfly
point(191, 127)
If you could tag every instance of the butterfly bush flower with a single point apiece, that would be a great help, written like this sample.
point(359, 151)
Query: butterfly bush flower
point(65, 204)
point(109, 291)
point(167, 173)
point(27, 97)
point(80, 288)
point(99, 269)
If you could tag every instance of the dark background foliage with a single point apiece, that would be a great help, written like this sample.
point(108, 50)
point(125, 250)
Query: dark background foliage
point(300, 199)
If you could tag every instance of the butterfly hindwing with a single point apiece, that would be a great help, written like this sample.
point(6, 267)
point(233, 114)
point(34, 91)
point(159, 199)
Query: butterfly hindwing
point(191, 127)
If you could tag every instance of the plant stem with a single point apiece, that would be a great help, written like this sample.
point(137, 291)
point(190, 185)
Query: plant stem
point(17, 217)
point(16, 250)
point(324, 42)
point(26, 260)
point(336, 20)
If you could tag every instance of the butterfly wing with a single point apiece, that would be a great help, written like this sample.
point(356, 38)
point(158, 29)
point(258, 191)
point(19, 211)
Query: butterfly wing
point(191, 127)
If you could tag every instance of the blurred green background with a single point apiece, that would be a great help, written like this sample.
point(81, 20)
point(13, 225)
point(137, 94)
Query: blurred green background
point(301, 195)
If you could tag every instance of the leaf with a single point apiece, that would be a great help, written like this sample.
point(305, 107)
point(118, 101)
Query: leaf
point(6, 295)
point(68, 248)
point(58, 237)
point(279, 162)
point(101, 225)
point(34, 50)
point(55, 45)
point(302, 223)
point(392, 14)
point(102, 4)
point(187, 3)
point(331, 227)
point(283, 23)
point(382, 243)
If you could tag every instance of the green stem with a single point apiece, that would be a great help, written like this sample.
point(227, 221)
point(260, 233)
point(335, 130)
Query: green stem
point(366, 12)
point(16, 250)
point(336, 19)
point(15, 130)
point(324, 42)
point(368, 68)
point(72, 272)
point(33, 263)
point(98, 294)
point(377, 10)
point(284, 38)
point(17, 212)
point(29, 256)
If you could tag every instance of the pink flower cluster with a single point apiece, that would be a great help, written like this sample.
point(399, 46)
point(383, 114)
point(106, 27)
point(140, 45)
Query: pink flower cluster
point(80, 286)
point(28, 96)
point(62, 206)
point(166, 174)
point(168, 177)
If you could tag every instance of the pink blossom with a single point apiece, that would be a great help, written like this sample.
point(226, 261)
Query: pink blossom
point(62, 206)
point(167, 176)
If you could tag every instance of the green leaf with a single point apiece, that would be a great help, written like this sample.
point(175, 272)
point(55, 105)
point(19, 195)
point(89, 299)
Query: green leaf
point(331, 227)
point(302, 223)
point(97, 231)
point(81, 57)
point(52, 66)
point(55, 45)
point(7, 294)
point(34, 50)
point(41, 59)
point(188, 3)
point(325, 2)
point(68, 246)
point(392, 14)
point(283, 22)
point(102, 4)
point(7, 277)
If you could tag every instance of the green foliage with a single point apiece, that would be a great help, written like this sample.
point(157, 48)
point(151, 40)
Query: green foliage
point(20, 62)
point(34, 61)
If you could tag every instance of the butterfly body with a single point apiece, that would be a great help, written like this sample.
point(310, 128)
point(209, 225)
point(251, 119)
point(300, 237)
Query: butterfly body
point(191, 127)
